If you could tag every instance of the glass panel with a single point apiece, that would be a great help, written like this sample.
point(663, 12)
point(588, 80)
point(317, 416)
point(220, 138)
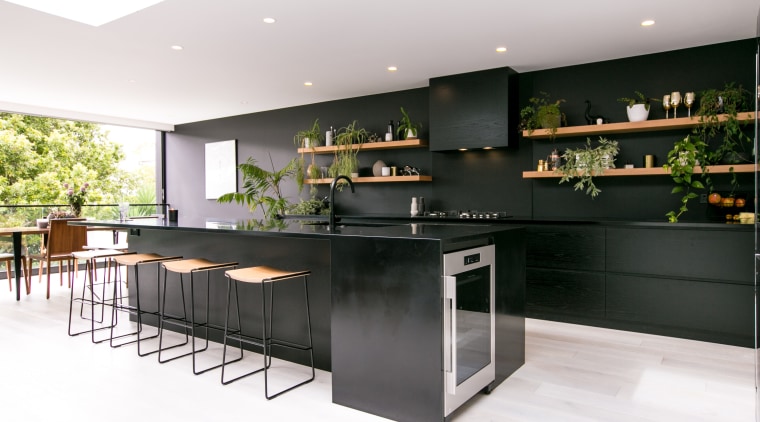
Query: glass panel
point(473, 319)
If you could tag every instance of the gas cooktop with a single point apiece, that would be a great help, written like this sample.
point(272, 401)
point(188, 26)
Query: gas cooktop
point(472, 214)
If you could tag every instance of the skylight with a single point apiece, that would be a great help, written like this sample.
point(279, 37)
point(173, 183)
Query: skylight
point(90, 12)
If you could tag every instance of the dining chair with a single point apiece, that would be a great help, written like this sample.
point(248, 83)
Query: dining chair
point(7, 258)
point(62, 241)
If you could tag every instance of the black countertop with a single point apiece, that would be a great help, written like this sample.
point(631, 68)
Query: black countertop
point(310, 228)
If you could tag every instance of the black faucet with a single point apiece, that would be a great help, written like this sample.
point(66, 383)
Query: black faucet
point(332, 197)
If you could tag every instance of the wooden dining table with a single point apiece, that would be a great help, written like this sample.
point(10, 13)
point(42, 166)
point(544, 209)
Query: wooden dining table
point(17, 233)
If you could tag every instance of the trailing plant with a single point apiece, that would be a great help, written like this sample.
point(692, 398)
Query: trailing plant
point(348, 142)
point(719, 137)
point(585, 163)
point(310, 207)
point(406, 126)
point(542, 113)
point(261, 188)
point(685, 155)
point(306, 140)
point(719, 123)
point(639, 99)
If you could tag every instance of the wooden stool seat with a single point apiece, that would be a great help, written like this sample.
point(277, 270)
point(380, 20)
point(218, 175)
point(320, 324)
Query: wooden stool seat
point(186, 266)
point(143, 258)
point(263, 274)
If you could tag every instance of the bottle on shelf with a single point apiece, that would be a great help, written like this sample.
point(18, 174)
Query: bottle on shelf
point(421, 206)
point(389, 135)
point(414, 209)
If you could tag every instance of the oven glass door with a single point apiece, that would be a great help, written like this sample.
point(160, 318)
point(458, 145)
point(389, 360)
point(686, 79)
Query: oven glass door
point(468, 323)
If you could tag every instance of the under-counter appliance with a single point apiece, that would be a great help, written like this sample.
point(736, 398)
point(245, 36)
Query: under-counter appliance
point(468, 324)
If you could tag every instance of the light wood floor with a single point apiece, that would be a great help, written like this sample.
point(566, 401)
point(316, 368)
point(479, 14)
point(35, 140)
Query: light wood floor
point(572, 373)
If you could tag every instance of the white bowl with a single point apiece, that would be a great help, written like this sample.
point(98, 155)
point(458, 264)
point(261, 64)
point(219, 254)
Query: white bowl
point(42, 223)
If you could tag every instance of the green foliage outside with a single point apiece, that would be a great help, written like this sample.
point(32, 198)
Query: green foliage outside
point(38, 155)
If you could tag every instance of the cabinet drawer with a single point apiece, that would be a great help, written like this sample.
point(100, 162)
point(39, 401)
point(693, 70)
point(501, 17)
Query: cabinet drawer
point(687, 306)
point(695, 254)
point(571, 248)
point(555, 292)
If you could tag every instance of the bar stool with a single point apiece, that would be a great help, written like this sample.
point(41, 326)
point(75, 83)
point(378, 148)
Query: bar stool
point(262, 276)
point(182, 267)
point(135, 260)
point(90, 257)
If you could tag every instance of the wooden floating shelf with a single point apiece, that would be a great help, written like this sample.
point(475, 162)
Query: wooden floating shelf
point(629, 127)
point(409, 143)
point(382, 179)
point(654, 171)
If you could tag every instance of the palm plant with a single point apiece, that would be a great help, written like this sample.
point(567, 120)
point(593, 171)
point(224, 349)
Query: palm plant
point(261, 188)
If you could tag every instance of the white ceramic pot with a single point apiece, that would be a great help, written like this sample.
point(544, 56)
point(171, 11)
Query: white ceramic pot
point(42, 223)
point(637, 112)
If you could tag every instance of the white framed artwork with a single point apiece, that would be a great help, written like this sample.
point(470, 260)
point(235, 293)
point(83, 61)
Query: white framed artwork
point(221, 168)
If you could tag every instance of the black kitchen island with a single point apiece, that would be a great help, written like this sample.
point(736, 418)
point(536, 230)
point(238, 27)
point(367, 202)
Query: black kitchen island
point(376, 296)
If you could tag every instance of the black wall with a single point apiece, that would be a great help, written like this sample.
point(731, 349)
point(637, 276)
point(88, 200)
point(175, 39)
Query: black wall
point(483, 180)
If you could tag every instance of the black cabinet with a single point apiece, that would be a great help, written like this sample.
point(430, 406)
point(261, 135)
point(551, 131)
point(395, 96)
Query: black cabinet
point(474, 110)
point(687, 282)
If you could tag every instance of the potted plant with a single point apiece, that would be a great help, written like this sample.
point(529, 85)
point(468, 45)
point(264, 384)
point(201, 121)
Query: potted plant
point(348, 142)
point(308, 139)
point(719, 124)
point(542, 113)
point(407, 129)
point(719, 138)
point(261, 188)
point(685, 155)
point(637, 108)
point(585, 163)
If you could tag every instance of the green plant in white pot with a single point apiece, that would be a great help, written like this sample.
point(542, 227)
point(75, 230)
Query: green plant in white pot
point(407, 129)
point(585, 163)
point(637, 107)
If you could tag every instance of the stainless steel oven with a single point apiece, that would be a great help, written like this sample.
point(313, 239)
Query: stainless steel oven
point(468, 324)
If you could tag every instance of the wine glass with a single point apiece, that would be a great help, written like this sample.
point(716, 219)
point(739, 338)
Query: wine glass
point(675, 101)
point(666, 104)
point(688, 101)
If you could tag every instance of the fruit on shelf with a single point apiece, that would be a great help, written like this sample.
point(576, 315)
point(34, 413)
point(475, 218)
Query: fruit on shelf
point(714, 198)
point(727, 201)
point(740, 202)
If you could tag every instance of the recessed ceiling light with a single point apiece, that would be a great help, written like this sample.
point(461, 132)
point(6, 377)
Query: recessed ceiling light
point(92, 12)
point(269, 20)
point(392, 68)
point(487, 147)
point(648, 22)
point(177, 48)
point(462, 149)
point(307, 83)
point(501, 49)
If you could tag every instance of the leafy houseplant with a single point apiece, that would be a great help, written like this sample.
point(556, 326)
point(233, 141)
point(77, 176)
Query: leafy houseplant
point(310, 207)
point(261, 188)
point(407, 129)
point(308, 139)
point(719, 137)
point(587, 162)
point(348, 142)
point(731, 141)
point(638, 107)
point(542, 113)
point(682, 159)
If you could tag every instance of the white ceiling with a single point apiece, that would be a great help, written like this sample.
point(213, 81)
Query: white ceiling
point(124, 72)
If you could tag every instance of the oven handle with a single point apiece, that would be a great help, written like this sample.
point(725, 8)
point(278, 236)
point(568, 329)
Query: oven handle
point(449, 333)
